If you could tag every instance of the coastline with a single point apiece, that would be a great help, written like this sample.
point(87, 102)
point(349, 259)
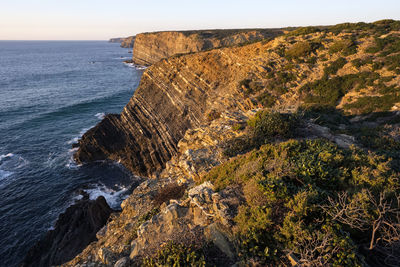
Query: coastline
point(186, 128)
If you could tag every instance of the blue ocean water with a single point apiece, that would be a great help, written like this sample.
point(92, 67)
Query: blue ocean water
point(51, 92)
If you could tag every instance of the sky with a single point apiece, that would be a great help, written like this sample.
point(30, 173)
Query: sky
point(104, 19)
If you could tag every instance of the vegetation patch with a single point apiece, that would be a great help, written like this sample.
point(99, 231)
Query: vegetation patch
point(345, 46)
point(335, 66)
point(310, 198)
point(172, 254)
point(328, 91)
point(263, 128)
point(301, 49)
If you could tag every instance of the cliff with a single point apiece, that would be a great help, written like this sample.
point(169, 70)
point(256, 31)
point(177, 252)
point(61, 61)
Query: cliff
point(173, 96)
point(126, 42)
point(181, 92)
point(152, 47)
point(280, 152)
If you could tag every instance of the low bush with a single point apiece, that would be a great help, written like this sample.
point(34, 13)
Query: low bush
point(327, 91)
point(301, 49)
point(172, 254)
point(388, 45)
point(266, 99)
point(264, 127)
point(345, 46)
point(368, 104)
point(304, 31)
point(335, 66)
point(250, 87)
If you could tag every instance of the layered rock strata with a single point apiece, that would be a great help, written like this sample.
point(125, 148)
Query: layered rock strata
point(150, 48)
point(183, 92)
point(174, 95)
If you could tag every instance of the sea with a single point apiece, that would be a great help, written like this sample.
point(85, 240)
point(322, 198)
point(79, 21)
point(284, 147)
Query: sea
point(51, 92)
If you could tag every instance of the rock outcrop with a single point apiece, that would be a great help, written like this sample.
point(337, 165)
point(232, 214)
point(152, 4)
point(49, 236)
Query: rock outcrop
point(142, 227)
point(74, 230)
point(126, 42)
point(150, 48)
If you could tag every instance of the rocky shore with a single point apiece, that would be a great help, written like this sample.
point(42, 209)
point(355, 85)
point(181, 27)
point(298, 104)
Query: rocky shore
point(74, 230)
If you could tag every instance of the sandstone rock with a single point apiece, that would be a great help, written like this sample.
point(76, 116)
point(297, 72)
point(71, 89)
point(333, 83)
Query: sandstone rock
point(105, 256)
point(123, 262)
point(213, 233)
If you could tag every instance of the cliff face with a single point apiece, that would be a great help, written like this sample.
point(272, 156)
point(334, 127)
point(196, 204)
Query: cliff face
point(149, 48)
point(126, 42)
point(173, 96)
point(181, 92)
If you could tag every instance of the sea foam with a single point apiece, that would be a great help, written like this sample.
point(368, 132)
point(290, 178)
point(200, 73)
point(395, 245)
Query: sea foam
point(114, 197)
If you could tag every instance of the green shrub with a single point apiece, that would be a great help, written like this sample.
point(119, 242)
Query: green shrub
point(301, 49)
point(266, 99)
point(325, 116)
point(264, 127)
point(304, 31)
point(346, 46)
point(368, 104)
point(172, 254)
point(335, 66)
point(268, 125)
point(388, 45)
point(250, 87)
point(327, 92)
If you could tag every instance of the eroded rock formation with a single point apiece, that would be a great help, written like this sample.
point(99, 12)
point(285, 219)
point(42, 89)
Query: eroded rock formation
point(126, 42)
point(174, 95)
point(150, 48)
point(74, 230)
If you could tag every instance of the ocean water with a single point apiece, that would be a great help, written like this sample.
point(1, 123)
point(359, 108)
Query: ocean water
point(50, 94)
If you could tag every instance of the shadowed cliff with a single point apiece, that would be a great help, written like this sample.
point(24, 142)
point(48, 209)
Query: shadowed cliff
point(74, 230)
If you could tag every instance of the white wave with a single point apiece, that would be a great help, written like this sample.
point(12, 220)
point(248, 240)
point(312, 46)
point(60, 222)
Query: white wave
point(10, 162)
point(113, 197)
point(135, 66)
point(71, 164)
point(75, 139)
point(9, 155)
point(100, 116)
point(4, 174)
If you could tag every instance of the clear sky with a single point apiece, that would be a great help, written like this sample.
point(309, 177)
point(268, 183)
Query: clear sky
point(103, 19)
